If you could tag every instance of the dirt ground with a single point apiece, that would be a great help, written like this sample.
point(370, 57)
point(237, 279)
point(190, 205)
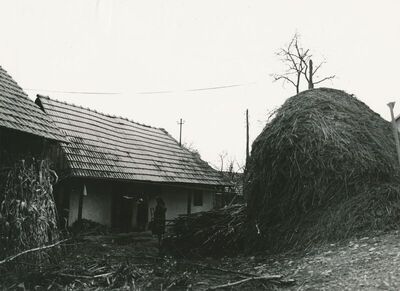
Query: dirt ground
point(368, 263)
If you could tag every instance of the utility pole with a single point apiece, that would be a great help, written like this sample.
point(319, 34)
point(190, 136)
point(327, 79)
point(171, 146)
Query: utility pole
point(180, 122)
point(247, 136)
point(395, 129)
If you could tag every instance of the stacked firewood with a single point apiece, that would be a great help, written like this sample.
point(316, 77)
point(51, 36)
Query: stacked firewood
point(212, 233)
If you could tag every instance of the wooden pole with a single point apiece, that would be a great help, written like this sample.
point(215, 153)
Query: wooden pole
point(310, 80)
point(189, 202)
point(395, 129)
point(180, 131)
point(80, 203)
point(247, 136)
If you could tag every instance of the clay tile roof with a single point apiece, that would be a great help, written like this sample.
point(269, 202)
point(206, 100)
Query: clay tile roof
point(20, 113)
point(108, 147)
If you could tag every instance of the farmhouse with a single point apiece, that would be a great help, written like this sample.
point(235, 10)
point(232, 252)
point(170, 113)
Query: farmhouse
point(25, 131)
point(112, 162)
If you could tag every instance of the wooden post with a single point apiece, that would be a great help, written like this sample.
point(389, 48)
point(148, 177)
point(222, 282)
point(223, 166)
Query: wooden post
point(395, 129)
point(189, 202)
point(247, 136)
point(310, 80)
point(80, 205)
point(180, 122)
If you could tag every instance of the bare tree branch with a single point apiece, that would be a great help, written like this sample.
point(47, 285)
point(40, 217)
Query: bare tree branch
point(8, 259)
point(324, 79)
point(317, 67)
point(298, 65)
point(287, 79)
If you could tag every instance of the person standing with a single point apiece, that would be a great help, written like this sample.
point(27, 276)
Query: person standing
point(159, 219)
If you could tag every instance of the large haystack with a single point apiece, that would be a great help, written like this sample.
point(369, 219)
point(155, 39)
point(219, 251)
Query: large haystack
point(323, 169)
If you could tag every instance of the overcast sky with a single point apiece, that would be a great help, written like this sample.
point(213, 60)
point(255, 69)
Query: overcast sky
point(133, 48)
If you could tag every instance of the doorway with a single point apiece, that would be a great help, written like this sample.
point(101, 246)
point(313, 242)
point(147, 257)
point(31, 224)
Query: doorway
point(122, 213)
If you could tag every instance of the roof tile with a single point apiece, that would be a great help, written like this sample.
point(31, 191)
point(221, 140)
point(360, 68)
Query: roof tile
point(103, 146)
point(18, 112)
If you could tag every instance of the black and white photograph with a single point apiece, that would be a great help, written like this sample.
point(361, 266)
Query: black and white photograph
point(199, 145)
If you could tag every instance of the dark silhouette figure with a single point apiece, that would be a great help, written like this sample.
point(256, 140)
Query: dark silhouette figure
point(159, 219)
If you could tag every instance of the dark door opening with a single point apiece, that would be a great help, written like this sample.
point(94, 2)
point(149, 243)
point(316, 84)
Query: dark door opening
point(122, 213)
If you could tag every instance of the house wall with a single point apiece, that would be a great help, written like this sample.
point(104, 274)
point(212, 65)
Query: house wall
point(16, 146)
point(96, 204)
point(177, 202)
point(208, 202)
point(99, 202)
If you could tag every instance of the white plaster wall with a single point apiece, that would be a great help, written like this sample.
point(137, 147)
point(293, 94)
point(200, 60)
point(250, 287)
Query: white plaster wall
point(96, 205)
point(208, 203)
point(176, 203)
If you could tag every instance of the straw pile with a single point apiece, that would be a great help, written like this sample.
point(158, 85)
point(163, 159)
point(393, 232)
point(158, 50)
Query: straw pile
point(86, 226)
point(27, 211)
point(323, 169)
point(213, 233)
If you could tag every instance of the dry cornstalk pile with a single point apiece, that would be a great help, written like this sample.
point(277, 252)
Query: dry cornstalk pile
point(27, 211)
point(323, 169)
point(212, 233)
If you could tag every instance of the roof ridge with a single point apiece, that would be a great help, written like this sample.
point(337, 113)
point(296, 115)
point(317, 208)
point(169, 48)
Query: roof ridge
point(15, 82)
point(98, 112)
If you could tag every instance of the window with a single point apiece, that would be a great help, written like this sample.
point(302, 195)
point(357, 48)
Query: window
point(198, 198)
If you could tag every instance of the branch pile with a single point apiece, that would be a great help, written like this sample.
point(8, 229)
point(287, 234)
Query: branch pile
point(28, 216)
point(212, 233)
point(86, 226)
point(91, 265)
point(323, 169)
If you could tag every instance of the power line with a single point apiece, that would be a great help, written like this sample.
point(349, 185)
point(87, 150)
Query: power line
point(73, 92)
point(198, 89)
point(216, 88)
point(143, 92)
point(155, 92)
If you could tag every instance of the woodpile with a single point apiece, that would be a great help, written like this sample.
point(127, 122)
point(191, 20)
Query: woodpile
point(215, 233)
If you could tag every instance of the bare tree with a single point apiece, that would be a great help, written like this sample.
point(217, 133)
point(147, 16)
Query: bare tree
point(299, 64)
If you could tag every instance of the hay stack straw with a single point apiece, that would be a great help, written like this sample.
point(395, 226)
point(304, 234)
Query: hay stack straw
point(28, 216)
point(324, 168)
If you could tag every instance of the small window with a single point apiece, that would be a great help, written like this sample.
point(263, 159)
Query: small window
point(198, 198)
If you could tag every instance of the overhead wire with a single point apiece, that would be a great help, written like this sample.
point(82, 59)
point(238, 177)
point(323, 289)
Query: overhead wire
point(141, 92)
